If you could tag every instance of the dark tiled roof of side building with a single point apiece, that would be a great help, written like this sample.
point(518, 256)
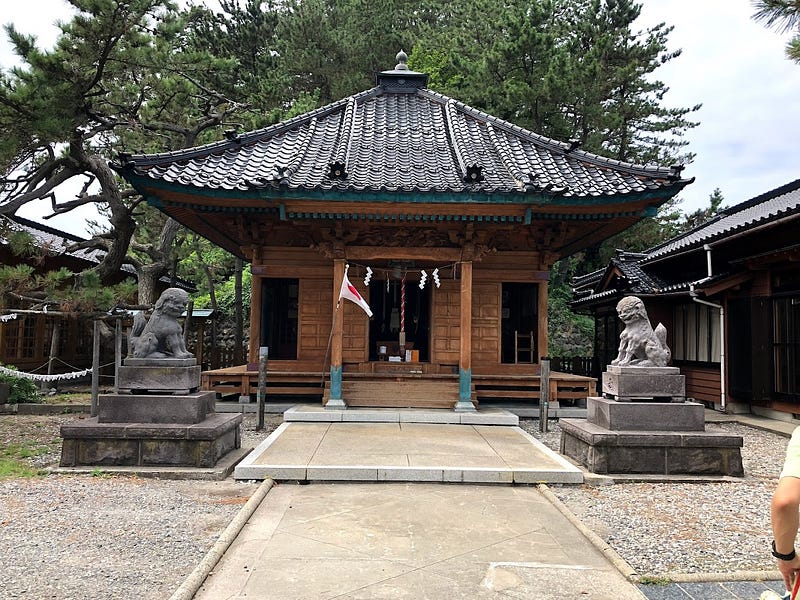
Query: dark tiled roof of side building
point(628, 265)
point(401, 137)
point(57, 243)
point(765, 208)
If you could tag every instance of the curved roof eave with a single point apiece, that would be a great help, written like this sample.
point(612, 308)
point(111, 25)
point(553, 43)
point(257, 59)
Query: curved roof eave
point(147, 186)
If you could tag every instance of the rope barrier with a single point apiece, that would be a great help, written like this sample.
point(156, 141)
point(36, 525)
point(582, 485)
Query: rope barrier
point(39, 377)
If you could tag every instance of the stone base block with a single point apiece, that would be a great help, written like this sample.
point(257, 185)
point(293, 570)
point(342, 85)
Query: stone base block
point(139, 408)
point(159, 362)
point(158, 378)
point(645, 416)
point(90, 443)
point(631, 383)
point(651, 452)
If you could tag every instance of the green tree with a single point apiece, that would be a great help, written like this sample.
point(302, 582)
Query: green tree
point(701, 215)
point(334, 48)
point(784, 16)
point(567, 69)
point(120, 78)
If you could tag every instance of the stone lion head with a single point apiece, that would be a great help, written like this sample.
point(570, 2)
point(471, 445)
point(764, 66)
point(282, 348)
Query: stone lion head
point(172, 302)
point(631, 309)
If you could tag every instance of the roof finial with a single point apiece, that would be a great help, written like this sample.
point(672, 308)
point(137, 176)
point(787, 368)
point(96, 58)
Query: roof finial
point(402, 58)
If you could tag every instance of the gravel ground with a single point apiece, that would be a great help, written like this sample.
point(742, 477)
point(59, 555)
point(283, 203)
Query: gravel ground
point(105, 537)
point(668, 528)
point(142, 537)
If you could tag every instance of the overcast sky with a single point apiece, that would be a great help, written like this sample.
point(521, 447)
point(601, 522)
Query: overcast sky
point(747, 140)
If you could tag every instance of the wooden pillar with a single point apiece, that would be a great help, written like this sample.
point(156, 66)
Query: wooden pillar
point(335, 400)
point(255, 319)
point(465, 358)
point(542, 340)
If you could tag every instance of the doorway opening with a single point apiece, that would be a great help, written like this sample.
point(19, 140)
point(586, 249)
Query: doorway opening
point(520, 322)
point(279, 317)
point(384, 328)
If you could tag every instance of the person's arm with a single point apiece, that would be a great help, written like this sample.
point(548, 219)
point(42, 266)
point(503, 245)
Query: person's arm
point(785, 513)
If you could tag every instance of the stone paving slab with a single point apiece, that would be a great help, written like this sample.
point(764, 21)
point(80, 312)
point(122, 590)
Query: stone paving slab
point(412, 541)
point(485, 416)
point(405, 451)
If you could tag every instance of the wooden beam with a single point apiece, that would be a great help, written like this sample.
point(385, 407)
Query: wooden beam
point(400, 253)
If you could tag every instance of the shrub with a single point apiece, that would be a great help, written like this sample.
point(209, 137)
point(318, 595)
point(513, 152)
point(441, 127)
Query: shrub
point(20, 390)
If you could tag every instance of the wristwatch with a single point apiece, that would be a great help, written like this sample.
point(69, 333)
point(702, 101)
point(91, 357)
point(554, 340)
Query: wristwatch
point(780, 556)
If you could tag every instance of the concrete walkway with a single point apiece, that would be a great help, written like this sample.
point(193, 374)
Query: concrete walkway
point(399, 446)
point(412, 541)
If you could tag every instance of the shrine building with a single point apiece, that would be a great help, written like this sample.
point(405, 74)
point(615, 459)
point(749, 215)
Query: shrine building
point(444, 218)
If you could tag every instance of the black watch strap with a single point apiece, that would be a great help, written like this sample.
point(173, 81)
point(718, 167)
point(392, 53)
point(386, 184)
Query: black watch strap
point(780, 556)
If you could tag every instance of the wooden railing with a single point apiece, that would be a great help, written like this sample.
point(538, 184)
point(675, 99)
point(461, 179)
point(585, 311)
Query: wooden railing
point(577, 365)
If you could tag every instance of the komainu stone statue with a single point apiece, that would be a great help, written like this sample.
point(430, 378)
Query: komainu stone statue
point(161, 336)
point(639, 344)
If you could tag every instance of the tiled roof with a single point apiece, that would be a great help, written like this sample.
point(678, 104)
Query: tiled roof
point(401, 137)
point(55, 242)
point(639, 282)
point(767, 207)
point(764, 209)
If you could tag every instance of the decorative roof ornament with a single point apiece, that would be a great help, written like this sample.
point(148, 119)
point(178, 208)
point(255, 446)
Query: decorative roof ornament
point(402, 78)
point(337, 170)
point(474, 174)
point(402, 59)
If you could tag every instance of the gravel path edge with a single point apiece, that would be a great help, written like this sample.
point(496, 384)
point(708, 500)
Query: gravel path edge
point(192, 583)
point(613, 557)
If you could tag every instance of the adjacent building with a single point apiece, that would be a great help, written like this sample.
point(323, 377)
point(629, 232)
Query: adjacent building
point(728, 292)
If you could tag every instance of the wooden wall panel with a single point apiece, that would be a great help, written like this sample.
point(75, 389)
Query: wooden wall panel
point(485, 324)
point(446, 323)
point(314, 318)
point(702, 384)
point(355, 332)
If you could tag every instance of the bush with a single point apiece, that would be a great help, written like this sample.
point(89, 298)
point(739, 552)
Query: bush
point(20, 390)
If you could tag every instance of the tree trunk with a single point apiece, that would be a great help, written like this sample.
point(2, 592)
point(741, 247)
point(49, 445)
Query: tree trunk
point(150, 274)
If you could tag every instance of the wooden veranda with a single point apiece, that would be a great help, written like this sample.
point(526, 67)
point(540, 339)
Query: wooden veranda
point(398, 389)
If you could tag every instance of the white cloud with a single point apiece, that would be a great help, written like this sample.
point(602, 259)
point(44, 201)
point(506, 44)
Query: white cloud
point(746, 141)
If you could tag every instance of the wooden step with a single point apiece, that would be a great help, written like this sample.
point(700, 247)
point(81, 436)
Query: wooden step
point(394, 393)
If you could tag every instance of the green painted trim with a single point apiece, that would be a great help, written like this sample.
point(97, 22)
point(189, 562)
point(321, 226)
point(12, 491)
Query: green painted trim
point(336, 383)
point(465, 385)
point(420, 197)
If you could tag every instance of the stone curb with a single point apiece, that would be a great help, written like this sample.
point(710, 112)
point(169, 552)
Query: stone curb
point(196, 578)
point(43, 409)
point(619, 563)
point(720, 577)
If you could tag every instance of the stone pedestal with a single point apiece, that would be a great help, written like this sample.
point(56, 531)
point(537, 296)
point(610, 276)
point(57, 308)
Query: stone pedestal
point(165, 423)
point(168, 375)
point(649, 438)
point(156, 408)
point(644, 383)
